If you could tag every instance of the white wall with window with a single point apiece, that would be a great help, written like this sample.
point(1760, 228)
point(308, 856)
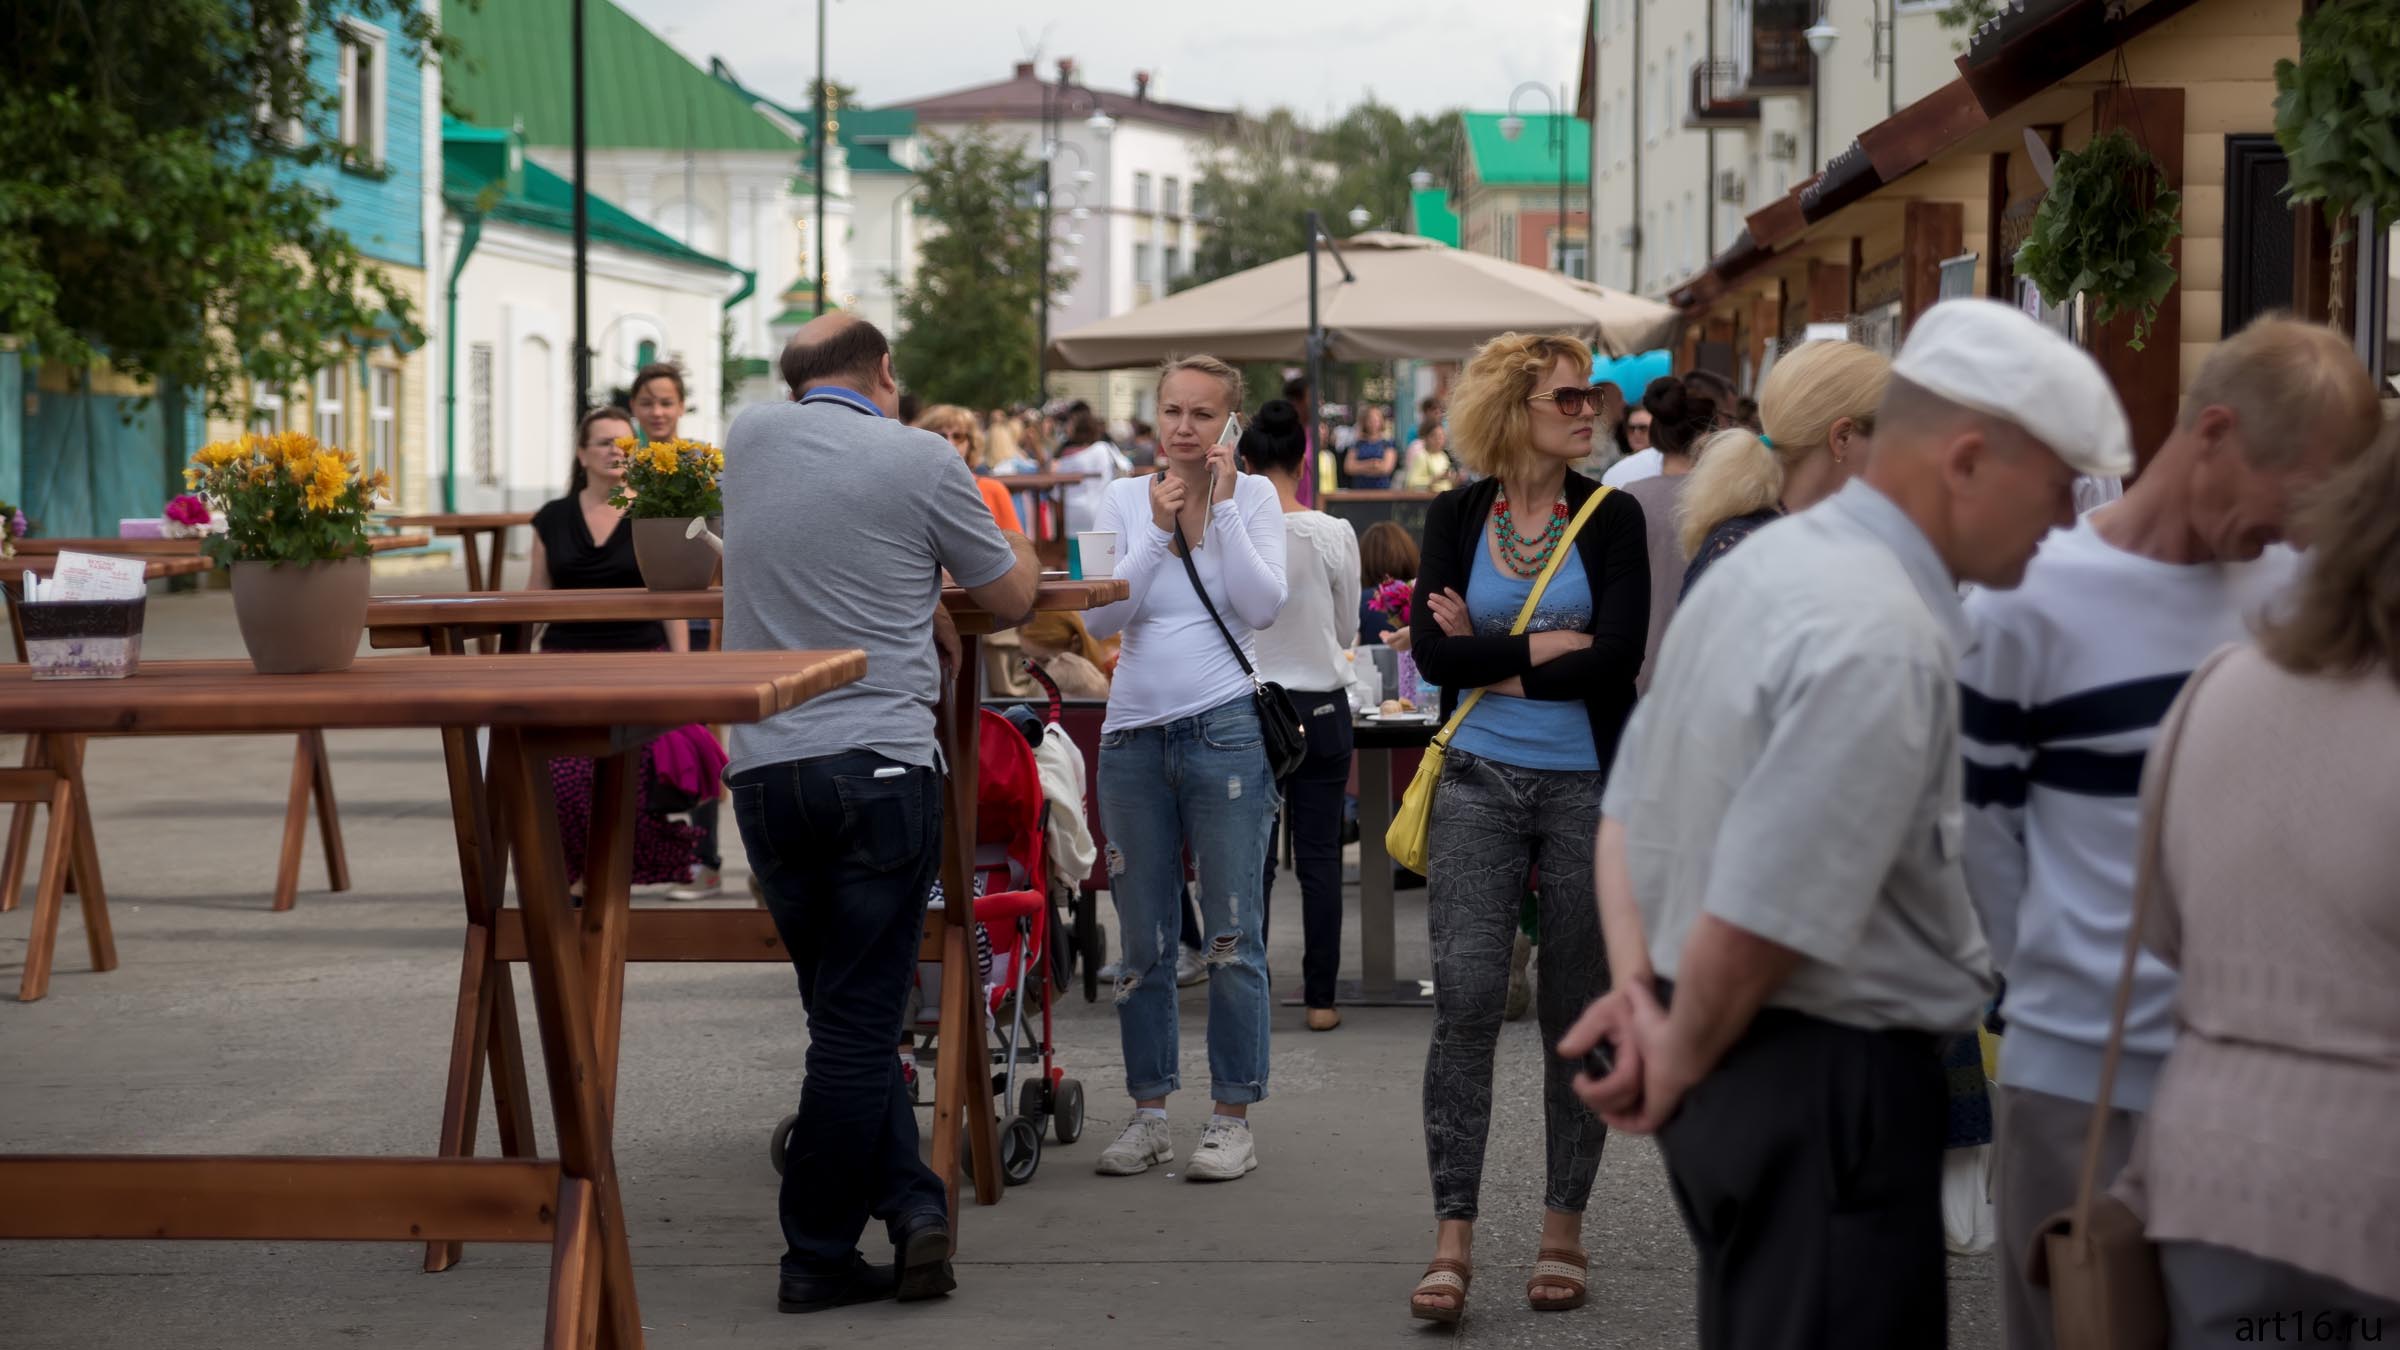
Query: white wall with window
point(266, 409)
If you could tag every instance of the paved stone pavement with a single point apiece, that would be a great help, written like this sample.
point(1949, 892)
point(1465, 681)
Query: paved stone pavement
point(229, 1028)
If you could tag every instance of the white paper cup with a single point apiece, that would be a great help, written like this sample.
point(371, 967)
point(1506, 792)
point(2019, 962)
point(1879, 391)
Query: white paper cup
point(1097, 550)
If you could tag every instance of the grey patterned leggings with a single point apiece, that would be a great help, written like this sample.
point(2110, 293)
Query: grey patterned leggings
point(1492, 824)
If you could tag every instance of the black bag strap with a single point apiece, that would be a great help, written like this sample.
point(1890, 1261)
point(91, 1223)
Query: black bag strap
point(1192, 570)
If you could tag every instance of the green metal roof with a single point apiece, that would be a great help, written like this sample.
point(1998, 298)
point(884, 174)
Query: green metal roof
point(866, 133)
point(640, 93)
point(1434, 219)
point(480, 173)
point(1529, 159)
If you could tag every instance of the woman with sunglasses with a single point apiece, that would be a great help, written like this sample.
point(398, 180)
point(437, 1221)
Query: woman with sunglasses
point(959, 427)
point(1520, 787)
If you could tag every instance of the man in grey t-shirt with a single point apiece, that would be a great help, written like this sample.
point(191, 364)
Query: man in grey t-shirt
point(839, 524)
point(1781, 894)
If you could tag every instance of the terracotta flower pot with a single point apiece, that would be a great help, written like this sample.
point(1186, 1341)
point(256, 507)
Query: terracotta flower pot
point(301, 618)
point(669, 561)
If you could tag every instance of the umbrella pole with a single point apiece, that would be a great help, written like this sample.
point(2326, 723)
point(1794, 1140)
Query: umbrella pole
point(1316, 367)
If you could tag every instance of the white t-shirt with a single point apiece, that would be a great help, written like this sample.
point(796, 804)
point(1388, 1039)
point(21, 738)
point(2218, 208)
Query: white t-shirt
point(1309, 646)
point(1634, 468)
point(1106, 464)
point(1174, 663)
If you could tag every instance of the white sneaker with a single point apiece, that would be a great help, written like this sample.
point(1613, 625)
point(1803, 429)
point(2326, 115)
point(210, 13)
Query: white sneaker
point(1189, 968)
point(1226, 1153)
point(1108, 974)
point(707, 883)
point(1144, 1144)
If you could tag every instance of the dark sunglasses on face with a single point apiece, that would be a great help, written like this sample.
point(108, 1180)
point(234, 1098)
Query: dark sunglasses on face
point(1572, 401)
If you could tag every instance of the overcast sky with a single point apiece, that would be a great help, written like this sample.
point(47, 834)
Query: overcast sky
point(1317, 56)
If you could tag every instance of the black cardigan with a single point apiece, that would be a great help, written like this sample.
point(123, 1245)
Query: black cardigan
point(1615, 551)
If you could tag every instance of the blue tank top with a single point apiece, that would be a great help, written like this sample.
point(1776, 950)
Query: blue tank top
point(1528, 733)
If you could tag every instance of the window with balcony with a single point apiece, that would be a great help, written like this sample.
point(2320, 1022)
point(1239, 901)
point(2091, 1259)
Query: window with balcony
point(1141, 194)
point(1170, 198)
point(362, 94)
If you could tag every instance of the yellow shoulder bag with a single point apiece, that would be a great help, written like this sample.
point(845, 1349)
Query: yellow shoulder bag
point(1405, 841)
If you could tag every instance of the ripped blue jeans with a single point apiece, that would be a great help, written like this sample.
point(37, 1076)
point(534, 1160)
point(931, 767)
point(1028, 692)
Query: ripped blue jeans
point(1201, 784)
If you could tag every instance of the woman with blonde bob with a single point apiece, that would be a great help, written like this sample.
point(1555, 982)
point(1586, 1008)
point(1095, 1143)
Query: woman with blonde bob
point(959, 427)
point(1520, 787)
point(1818, 407)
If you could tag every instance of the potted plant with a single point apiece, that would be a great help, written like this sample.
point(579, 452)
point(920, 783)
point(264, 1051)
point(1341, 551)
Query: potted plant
point(295, 540)
point(668, 485)
point(2334, 112)
point(2103, 230)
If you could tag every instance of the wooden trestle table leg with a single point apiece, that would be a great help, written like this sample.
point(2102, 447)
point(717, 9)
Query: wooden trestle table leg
point(572, 1054)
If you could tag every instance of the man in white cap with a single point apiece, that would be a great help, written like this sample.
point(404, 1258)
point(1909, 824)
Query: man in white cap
point(1787, 923)
point(2061, 690)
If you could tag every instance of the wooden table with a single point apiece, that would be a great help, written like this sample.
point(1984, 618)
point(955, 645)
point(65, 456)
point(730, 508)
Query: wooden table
point(490, 528)
point(311, 788)
point(1049, 537)
point(1377, 985)
point(536, 708)
point(482, 1034)
point(180, 548)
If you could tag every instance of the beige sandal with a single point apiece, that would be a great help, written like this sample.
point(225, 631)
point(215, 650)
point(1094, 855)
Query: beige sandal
point(1557, 1266)
point(1444, 1276)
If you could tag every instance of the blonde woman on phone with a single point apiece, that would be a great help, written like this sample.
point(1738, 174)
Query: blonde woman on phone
point(1183, 763)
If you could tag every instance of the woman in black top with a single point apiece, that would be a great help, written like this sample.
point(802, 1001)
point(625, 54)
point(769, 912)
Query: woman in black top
point(580, 542)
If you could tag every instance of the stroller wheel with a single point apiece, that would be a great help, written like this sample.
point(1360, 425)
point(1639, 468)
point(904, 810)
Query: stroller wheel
point(1033, 1102)
point(781, 1143)
point(1020, 1150)
point(1066, 1111)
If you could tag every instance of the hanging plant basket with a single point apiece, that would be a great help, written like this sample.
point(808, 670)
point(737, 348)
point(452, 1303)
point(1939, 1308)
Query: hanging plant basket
point(2103, 230)
point(2337, 109)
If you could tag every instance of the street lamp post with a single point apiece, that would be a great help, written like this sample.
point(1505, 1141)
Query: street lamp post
point(1056, 100)
point(823, 159)
point(1512, 126)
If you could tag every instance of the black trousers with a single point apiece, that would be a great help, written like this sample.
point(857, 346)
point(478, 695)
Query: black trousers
point(845, 848)
point(1312, 800)
point(1808, 1166)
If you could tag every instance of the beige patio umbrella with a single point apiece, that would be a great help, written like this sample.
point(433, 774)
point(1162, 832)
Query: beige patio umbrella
point(1381, 297)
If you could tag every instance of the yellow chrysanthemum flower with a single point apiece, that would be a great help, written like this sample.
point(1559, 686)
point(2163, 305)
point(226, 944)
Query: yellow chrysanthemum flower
point(296, 448)
point(329, 477)
point(218, 454)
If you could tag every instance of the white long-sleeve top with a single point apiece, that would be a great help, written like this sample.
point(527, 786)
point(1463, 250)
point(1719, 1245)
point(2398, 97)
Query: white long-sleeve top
point(1308, 649)
point(1174, 663)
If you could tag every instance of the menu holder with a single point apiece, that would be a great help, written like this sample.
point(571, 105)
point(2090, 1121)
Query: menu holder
point(85, 622)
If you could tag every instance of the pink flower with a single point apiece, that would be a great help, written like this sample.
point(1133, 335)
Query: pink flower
point(1394, 598)
point(188, 510)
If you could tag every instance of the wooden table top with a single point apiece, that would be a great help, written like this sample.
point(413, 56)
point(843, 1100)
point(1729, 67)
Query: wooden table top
point(14, 569)
point(401, 621)
point(1380, 495)
point(452, 522)
point(179, 548)
point(1037, 482)
point(561, 690)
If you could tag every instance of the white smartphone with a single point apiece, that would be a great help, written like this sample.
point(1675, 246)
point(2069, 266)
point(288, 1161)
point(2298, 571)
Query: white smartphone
point(1230, 435)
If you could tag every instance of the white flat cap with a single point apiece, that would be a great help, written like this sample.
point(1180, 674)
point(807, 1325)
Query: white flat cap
point(2001, 362)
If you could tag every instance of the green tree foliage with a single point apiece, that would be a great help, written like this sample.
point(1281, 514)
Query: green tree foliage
point(1269, 171)
point(1969, 15)
point(969, 318)
point(149, 213)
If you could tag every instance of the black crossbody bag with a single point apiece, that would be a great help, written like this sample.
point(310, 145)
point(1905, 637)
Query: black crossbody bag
point(1284, 735)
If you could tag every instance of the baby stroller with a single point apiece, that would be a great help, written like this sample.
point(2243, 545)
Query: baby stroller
point(1012, 912)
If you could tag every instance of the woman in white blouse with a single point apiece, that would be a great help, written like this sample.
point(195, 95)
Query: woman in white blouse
point(1308, 653)
point(1183, 765)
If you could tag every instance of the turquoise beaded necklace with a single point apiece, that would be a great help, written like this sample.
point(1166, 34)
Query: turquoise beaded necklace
point(1527, 555)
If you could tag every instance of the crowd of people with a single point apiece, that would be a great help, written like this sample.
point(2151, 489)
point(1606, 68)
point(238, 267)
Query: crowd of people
point(1809, 736)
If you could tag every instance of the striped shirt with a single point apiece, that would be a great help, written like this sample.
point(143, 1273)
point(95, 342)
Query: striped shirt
point(2061, 692)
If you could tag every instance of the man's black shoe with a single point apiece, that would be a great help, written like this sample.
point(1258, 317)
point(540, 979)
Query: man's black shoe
point(924, 1259)
point(861, 1283)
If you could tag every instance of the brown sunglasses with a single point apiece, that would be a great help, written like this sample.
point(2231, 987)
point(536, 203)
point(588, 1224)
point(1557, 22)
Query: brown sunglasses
point(1573, 401)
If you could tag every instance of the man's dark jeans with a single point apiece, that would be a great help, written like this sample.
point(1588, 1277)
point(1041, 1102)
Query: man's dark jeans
point(846, 848)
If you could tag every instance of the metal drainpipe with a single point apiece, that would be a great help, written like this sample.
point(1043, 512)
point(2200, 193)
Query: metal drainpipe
point(748, 288)
point(1639, 243)
point(470, 231)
